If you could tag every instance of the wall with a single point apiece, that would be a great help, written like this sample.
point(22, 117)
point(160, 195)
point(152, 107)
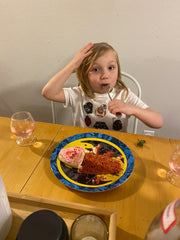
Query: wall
point(39, 37)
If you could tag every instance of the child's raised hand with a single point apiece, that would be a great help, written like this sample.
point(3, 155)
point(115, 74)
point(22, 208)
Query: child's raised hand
point(117, 106)
point(81, 55)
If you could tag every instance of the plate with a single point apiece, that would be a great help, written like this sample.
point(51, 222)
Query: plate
point(87, 183)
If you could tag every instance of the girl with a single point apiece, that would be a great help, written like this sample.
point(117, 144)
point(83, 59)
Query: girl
point(97, 66)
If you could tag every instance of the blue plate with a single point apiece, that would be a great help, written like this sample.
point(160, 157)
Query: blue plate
point(88, 183)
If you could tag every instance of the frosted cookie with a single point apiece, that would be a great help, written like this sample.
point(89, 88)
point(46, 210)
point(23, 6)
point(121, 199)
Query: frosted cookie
point(72, 156)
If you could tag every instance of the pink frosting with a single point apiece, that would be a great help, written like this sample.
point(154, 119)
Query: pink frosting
point(72, 155)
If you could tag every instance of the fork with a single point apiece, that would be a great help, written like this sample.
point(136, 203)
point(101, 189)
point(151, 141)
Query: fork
point(107, 88)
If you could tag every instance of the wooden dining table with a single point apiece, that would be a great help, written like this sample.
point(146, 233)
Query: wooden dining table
point(27, 170)
point(18, 163)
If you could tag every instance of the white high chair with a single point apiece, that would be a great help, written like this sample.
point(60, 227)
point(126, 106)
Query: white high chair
point(124, 77)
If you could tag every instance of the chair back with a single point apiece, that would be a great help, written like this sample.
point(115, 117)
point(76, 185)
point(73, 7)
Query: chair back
point(124, 77)
point(53, 112)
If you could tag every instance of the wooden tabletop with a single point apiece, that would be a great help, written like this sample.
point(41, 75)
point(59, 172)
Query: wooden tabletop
point(18, 163)
point(137, 201)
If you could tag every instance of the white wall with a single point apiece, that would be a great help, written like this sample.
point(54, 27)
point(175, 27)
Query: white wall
point(39, 37)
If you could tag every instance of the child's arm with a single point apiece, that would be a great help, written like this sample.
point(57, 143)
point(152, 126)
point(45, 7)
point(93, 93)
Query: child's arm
point(148, 116)
point(53, 89)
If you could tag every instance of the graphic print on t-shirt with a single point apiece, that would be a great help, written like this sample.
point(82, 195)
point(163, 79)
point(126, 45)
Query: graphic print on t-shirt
point(88, 107)
point(101, 110)
point(95, 114)
point(88, 121)
point(117, 125)
point(100, 125)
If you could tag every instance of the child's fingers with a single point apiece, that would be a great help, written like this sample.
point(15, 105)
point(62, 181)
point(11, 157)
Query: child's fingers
point(85, 51)
point(88, 53)
point(86, 48)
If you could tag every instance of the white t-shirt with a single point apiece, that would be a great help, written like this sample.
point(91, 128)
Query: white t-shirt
point(94, 112)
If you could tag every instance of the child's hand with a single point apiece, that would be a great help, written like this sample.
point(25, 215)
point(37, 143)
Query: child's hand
point(81, 55)
point(117, 106)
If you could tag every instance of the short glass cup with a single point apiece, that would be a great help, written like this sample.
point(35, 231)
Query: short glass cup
point(173, 175)
point(89, 227)
point(22, 125)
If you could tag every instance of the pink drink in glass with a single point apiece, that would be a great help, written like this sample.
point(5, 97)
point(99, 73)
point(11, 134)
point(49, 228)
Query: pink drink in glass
point(22, 125)
point(23, 129)
point(174, 162)
point(173, 176)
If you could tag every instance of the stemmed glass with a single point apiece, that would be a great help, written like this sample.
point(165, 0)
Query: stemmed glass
point(22, 125)
point(173, 175)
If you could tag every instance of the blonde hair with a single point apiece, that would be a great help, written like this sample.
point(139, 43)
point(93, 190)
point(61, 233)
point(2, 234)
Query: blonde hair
point(98, 50)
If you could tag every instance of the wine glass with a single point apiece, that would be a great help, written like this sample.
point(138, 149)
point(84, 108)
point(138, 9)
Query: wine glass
point(173, 175)
point(22, 125)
